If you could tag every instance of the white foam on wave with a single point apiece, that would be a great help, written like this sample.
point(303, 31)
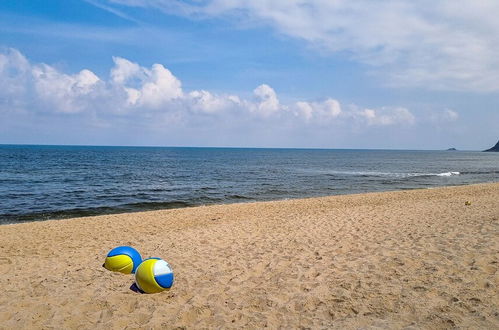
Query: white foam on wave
point(432, 174)
point(448, 174)
point(397, 175)
point(392, 174)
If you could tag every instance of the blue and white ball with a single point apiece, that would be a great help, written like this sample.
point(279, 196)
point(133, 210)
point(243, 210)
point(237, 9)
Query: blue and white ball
point(123, 259)
point(154, 275)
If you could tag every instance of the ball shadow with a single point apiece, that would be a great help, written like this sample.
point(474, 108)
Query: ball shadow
point(136, 289)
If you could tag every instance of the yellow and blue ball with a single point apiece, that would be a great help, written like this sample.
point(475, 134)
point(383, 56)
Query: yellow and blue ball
point(154, 275)
point(123, 259)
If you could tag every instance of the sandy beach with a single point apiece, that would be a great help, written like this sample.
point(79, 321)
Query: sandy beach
point(408, 259)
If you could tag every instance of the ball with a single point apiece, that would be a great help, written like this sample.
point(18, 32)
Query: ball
point(154, 275)
point(123, 259)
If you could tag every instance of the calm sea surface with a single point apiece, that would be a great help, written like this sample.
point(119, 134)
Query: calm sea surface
point(42, 182)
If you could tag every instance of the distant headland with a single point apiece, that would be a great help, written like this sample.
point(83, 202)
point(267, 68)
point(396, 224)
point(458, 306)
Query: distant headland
point(494, 148)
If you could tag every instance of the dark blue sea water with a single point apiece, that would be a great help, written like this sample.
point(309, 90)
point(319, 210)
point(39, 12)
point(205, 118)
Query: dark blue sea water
point(46, 182)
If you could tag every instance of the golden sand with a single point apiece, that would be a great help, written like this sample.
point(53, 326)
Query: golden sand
point(408, 259)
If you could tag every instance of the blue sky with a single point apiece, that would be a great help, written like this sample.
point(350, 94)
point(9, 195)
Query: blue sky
point(344, 74)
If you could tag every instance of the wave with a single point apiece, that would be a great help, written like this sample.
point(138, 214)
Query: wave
point(448, 174)
point(391, 174)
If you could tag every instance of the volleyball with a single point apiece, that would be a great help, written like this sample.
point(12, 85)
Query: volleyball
point(154, 275)
point(123, 259)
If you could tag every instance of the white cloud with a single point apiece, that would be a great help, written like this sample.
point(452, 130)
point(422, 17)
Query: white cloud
point(160, 87)
point(124, 70)
point(205, 102)
point(24, 86)
point(328, 109)
point(155, 95)
point(267, 101)
point(304, 109)
point(449, 45)
point(387, 116)
point(157, 85)
point(13, 69)
point(62, 92)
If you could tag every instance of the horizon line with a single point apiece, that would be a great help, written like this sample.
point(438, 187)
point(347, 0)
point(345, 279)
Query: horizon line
point(225, 147)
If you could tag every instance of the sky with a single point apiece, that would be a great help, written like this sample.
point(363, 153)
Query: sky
point(392, 74)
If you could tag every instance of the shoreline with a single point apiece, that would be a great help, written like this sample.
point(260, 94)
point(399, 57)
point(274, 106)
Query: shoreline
point(411, 258)
point(228, 203)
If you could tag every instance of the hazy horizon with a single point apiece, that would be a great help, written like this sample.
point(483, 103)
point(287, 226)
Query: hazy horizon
point(222, 147)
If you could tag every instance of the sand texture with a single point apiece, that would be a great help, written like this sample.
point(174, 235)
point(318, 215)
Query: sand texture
point(409, 259)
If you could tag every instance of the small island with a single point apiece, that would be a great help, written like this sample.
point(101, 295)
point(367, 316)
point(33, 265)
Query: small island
point(452, 149)
point(494, 148)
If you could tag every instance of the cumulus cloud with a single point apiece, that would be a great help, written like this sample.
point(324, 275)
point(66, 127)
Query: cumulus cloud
point(13, 68)
point(387, 116)
point(124, 70)
point(320, 110)
point(155, 93)
point(42, 87)
point(208, 103)
point(267, 101)
point(446, 45)
point(62, 92)
point(156, 85)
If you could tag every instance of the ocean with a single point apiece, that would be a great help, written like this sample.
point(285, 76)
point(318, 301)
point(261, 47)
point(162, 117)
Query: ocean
point(54, 182)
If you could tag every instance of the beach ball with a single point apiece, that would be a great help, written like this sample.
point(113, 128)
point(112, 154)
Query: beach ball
point(154, 275)
point(123, 259)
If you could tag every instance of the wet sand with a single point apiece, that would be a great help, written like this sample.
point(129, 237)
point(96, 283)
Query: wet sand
point(408, 259)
